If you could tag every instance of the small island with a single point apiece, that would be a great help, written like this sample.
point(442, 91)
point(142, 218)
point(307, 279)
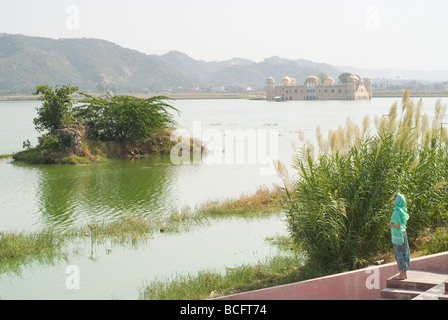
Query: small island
point(98, 128)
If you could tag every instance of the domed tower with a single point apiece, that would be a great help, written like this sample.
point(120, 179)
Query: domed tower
point(286, 81)
point(270, 89)
point(329, 81)
point(352, 87)
point(353, 79)
point(311, 81)
point(368, 84)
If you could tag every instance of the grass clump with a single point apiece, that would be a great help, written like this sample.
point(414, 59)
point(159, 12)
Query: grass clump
point(17, 249)
point(263, 201)
point(433, 240)
point(340, 205)
point(208, 284)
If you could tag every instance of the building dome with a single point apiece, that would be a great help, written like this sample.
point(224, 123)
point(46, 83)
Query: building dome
point(353, 79)
point(286, 81)
point(292, 81)
point(329, 81)
point(270, 81)
point(311, 80)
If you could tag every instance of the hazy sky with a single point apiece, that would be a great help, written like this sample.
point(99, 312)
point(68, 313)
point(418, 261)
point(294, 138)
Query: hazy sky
point(406, 34)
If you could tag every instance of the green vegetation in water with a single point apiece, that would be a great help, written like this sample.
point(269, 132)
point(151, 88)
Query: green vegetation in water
point(18, 249)
point(5, 156)
point(263, 201)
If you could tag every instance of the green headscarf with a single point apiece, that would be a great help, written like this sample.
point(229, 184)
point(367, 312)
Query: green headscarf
point(400, 206)
point(399, 216)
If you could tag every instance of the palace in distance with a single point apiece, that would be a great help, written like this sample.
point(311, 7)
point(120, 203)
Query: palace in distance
point(353, 89)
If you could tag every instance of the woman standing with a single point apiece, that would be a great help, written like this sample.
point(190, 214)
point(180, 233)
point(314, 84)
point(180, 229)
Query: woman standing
point(399, 238)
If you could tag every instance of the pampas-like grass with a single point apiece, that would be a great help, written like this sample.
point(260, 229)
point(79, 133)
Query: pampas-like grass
point(343, 196)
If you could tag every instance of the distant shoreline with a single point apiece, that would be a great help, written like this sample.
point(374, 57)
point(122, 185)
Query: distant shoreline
point(414, 94)
point(247, 96)
point(175, 96)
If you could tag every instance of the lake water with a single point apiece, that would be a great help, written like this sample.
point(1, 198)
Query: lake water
point(34, 197)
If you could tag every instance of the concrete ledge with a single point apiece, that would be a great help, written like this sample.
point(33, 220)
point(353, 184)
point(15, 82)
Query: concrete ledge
point(363, 284)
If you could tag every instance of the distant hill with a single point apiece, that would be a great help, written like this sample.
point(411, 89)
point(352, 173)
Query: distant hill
point(96, 65)
point(91, 64)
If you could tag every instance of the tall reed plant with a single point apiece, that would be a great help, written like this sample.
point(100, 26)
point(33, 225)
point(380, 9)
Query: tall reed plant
point(340, 206)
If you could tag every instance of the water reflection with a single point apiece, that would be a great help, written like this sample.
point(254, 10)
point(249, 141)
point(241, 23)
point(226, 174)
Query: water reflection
point(69, 194)
point(35, 196)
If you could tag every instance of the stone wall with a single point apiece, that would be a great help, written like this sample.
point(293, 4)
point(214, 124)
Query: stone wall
point(363, 284)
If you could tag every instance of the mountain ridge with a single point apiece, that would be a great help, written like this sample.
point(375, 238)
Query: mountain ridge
point(96, 65)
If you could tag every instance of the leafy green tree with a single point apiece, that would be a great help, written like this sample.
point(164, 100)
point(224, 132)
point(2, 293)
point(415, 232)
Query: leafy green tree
point(322, 77)
point(125, 118)
point(56, 108)
point(343, 77)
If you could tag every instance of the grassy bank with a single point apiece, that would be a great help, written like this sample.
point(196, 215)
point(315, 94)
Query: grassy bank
point(208, 284)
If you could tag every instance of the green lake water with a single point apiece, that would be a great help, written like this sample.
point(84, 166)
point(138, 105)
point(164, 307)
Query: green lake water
point(33, 197)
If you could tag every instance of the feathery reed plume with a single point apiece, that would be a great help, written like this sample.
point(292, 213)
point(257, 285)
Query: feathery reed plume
point(320, 140)
point(349, 133)
point(340, 139)
point(282, 172)
point(418, 111)
point(439, 113)
point(310, 149)
point(404, 100)
point(301, 136)
point(440, 185)
point(392, 117)
point(407, 120)
point(365, 126)
point(381, 125)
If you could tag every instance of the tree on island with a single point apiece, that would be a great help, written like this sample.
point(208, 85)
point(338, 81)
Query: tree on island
point(126, 119)
point(56, 108)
